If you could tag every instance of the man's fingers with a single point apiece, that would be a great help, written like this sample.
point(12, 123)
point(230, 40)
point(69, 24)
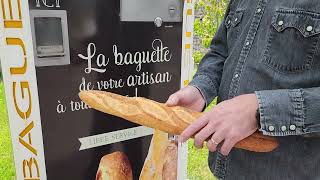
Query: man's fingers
point(193, 128)
point(173, 100)
point(227, 146)
point(203, 134)
point(215, 140)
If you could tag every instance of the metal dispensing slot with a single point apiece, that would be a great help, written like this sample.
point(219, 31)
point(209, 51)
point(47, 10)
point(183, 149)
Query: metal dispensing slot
point(151, 10)
point(50, 37)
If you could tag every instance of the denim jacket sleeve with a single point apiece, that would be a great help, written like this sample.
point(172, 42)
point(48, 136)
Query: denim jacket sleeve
point(289, 111)
point(209, 73)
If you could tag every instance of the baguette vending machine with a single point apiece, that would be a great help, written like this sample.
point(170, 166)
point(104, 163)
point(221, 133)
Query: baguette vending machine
point(53, 49)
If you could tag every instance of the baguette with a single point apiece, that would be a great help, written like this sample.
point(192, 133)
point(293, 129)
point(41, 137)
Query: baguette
point(162, 159)
point(173, 120)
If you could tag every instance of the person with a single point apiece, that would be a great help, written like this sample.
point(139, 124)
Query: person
point(264, 67)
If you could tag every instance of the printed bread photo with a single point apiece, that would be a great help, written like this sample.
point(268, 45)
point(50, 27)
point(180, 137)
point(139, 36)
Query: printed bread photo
point(162, 160)
point(115, 166)
point(170, 165)
point(172, 120)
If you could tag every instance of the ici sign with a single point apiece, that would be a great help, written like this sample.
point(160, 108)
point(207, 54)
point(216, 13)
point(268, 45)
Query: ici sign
point(48, 4)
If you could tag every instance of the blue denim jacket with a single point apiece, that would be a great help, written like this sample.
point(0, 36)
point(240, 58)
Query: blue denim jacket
point(271, 48)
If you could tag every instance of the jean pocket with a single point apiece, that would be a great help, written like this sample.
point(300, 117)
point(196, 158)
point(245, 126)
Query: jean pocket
point(292, 40)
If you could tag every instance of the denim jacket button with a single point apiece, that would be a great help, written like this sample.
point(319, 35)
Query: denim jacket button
point(236, 75)
point(292, 127)
point(280, 23)
point(258, 10)
point(309, 28)
point(247, 43)
point(271, 128)
point(283, 128)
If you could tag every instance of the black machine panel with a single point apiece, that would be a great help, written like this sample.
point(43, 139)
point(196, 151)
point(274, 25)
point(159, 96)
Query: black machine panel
point(105, 53)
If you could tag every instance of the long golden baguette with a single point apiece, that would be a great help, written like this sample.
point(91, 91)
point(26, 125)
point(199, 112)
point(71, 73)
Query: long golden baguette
point(156, 115)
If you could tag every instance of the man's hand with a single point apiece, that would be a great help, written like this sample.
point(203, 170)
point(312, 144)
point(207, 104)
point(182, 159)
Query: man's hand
point(228, 122)
point(189, 97)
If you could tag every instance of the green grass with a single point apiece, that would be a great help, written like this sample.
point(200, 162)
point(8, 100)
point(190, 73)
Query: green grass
point(7, 171)
point(197, 160)
point(198, 168)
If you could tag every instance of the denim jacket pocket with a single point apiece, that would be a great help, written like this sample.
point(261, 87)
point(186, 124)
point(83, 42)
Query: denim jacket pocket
point(296, 33)
point(232, 24)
